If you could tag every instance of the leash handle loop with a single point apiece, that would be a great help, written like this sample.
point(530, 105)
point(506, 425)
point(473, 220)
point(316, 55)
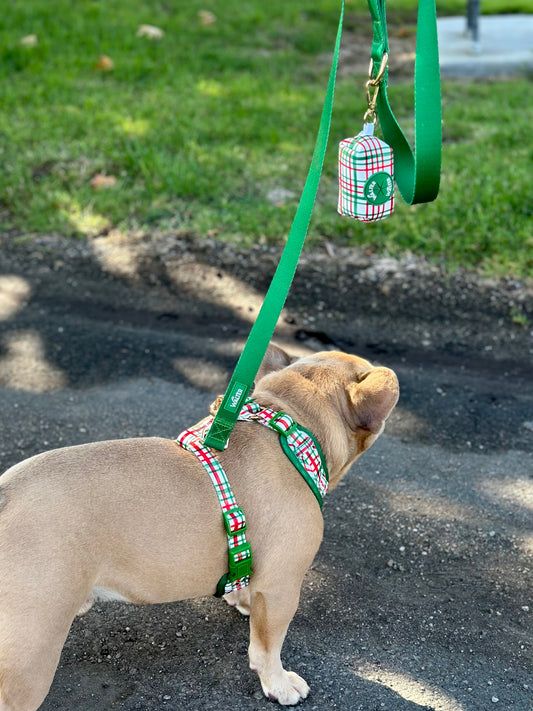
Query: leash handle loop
point(417, 172)
point(417, 176)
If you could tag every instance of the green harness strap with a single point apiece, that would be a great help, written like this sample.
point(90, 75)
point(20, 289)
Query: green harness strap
point(418, 181)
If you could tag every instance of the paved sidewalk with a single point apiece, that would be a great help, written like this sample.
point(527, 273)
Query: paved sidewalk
point(505, 47)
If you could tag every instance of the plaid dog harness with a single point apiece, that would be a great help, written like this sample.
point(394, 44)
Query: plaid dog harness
point(298, 443)
point(301, 447)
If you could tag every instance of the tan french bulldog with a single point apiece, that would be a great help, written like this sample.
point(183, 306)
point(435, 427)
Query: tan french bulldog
point(137, 520)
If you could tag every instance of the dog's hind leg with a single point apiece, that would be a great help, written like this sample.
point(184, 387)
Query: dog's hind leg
point(30, 648)
point(35, 617)
point(270, 616)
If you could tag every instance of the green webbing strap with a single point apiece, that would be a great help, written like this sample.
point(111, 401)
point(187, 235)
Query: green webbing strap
point(417, 175)
point(263, 328)
point(417, 178)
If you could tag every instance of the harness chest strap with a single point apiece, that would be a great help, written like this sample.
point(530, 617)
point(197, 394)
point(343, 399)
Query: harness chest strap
point(301, 448)
point(239, 550)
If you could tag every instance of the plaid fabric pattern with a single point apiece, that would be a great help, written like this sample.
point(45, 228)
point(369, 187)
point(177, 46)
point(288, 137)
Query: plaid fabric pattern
point(235, 521)
point(361, 159)
point(299, 441)
point(239, 549)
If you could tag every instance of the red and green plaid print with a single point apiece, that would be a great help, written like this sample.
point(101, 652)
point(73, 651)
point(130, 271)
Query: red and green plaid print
point(233, 516)
point(366, 178)
point(299, 441)
point(234, 520)
point(309, 462)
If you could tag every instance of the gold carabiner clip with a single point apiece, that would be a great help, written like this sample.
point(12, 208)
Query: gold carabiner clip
point(381, 73)
point(213, 408)
point(374, 82)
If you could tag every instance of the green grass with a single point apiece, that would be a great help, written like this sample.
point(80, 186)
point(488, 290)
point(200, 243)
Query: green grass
point(200, 126)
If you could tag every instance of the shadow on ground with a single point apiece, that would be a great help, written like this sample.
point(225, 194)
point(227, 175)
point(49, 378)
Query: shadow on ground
point(420, 595)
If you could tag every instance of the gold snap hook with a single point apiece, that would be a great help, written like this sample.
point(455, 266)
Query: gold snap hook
point(374, 83)
point(371, 98)
point(213, 409)
point(383, 66)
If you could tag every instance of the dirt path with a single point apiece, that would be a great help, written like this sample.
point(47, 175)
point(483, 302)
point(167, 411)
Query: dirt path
point(420, 597)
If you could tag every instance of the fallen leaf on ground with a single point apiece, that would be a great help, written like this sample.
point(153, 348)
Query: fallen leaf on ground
point(150, 32)
point(29, 41)
point(103, 182)
point(403, 32)
point(206, 17)
point(104, 64)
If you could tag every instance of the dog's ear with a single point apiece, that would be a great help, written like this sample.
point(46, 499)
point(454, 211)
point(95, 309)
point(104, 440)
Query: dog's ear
point(275, 359)
point(373, 398)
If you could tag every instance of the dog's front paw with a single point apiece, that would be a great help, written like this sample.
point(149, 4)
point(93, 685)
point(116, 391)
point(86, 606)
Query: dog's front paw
point(287, 689)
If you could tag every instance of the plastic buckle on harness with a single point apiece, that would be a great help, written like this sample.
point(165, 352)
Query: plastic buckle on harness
point(240, 566)
point(234, 521)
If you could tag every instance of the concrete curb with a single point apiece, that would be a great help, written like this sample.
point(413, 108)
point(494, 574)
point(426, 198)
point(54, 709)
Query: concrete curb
point(505, 48)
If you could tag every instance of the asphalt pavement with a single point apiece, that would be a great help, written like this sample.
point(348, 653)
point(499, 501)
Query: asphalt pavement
point(420, 596)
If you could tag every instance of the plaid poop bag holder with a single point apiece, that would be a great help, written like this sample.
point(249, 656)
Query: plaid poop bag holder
point(366, 177)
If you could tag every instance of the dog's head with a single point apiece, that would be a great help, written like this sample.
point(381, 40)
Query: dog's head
point(342, 398)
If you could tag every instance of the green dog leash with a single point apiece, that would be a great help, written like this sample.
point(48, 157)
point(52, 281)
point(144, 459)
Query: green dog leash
point(417, 176)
